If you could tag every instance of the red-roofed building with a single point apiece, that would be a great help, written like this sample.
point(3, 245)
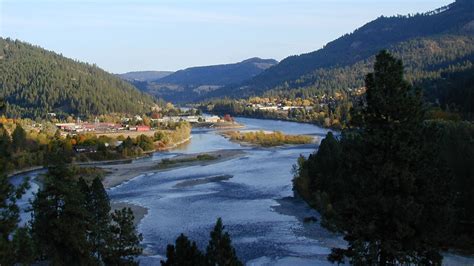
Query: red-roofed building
point(143, 128)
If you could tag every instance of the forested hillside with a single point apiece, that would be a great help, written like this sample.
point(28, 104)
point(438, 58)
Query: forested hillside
point(191, 83)
point(34, 82)
point(432, 45)
point(429, 62)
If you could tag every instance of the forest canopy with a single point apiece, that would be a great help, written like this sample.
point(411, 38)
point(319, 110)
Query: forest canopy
point(34, 82)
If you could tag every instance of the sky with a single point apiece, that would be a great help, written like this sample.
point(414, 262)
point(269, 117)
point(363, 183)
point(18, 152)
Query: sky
point(122, 36)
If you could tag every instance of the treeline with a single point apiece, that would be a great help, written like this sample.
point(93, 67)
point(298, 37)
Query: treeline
point(397, 186)
point(22, 149)
point(334, 113)
point(34, 82)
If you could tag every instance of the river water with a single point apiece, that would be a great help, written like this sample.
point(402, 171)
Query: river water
point(257, 205)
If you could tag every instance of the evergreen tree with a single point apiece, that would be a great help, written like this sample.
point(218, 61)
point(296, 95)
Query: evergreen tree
point(184, 253)
point(9, 194)
point(59, 220)
point(9, 216)
point(220, 250)
point(5, 146)
point(99, 208)
point(397, 203)
point(23, 246)
point(123, 245)
point(18, 138)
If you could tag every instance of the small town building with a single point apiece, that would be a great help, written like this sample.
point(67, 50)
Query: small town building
point(142, 128)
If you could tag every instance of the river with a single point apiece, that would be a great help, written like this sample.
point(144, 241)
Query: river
point(257, 205)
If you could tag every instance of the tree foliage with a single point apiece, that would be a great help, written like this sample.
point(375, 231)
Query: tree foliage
point(219, 251)
point(381, 183)
point(71, 223)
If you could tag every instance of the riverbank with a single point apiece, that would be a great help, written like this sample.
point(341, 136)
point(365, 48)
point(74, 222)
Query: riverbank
point(117, 174)
point(280, 118)
point(218, 125)
point(103, 162)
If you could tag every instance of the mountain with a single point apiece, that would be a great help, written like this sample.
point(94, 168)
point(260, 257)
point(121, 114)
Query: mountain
point(144, 75)
point(34, 82)
point(219, 74)
point(429, 43)
point(191, 83)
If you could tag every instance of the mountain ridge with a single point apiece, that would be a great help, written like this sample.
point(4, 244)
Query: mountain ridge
point(189, 84)
point(147, 75)
point(456, 19)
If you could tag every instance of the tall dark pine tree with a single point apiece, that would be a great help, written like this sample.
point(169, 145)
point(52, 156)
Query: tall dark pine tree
point(9, 211)
point(184, 253)
point(98, 209)
point(59, 220)
point(399, 202)
point(124, 242)
point(220, 250)
point(18, 138)
point(5, 148)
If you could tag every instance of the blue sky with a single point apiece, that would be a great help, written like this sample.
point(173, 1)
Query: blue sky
point(122, 36)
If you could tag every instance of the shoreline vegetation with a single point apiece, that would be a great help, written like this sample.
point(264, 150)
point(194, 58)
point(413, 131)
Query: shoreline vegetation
point(28, 149)
point(267, 139)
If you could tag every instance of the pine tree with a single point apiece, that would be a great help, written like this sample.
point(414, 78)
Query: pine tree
point(59, 220)
point(183, 253)
point(10, 212)
point(124, 243)
point(18, 138)
point(23, 246)
point(397, 203)
point(5, 147)
point(220, 250)
point(99, 207)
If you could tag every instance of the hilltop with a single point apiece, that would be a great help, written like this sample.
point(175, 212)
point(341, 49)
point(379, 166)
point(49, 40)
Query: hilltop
point(191, 83)
point(35, 81)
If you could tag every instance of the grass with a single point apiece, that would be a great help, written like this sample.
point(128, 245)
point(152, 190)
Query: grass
point(165, 163)
point(265, 139)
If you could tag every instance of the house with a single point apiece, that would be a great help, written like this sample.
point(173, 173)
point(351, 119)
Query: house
point(212, 119)
point(83, 149)
point(142, 128)
point(190, 118)
point(268, 108)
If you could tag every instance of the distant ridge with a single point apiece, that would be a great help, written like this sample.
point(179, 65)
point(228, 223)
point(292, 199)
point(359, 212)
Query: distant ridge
point(224, 74)
point(194, 82)
point(144, 75)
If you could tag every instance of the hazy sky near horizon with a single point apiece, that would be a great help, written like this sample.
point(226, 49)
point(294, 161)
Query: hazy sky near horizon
point(122, 36)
